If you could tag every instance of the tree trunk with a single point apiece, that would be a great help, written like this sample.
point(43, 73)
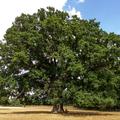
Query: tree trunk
point(58, 108)
point(55, 109)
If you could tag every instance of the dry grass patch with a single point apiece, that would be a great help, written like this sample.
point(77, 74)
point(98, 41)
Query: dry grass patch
point(44, 113)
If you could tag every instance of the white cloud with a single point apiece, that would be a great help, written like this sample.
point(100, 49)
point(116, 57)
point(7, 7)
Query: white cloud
point(81, 1)
point(73, 11)
point(9, 9)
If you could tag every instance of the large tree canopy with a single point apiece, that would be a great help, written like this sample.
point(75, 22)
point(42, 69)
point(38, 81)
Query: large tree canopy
point(61, 58)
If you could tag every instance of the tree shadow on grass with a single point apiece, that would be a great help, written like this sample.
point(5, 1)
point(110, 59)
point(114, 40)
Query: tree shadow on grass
point(4, 109)
point(70, 113)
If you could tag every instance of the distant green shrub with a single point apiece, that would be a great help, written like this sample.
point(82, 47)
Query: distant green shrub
point(84, 99)
point(4, 101)
point(15, 102)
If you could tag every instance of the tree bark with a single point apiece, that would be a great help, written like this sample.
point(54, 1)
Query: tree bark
point(61, 109)
point(55, 109)
point(58, 108)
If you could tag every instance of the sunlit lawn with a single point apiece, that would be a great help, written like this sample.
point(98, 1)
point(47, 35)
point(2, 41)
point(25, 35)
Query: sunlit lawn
point(43, 113)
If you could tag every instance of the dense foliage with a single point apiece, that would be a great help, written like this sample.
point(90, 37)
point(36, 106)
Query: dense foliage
point(52, 58)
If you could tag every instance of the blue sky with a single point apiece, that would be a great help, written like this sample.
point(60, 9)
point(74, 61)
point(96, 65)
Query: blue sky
point(107, 12)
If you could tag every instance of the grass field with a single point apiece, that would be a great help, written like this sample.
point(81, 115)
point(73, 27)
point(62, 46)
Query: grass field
point(43, 113)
